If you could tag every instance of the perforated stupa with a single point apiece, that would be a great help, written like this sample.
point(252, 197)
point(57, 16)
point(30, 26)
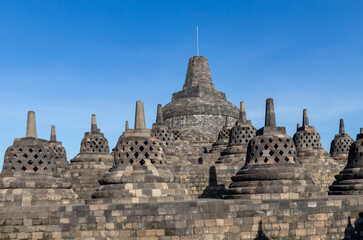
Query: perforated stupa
point(339, 147)
point(59, 151)
point(271, 167)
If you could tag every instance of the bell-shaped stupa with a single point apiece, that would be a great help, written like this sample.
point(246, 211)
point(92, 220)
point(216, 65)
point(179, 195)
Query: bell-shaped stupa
point(239, 138)
point(339, 147)
point(59, 151)
point(198, 111)
point(140, 173)
point(30, 175)
point(350, 180)
point(91, 163)
point(313, 156)
point(271, 168)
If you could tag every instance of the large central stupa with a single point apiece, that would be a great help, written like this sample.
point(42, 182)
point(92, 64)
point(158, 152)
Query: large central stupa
point(199, 109)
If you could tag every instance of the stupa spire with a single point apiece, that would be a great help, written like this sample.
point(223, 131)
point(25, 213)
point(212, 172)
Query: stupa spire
point(53, 137)
point(93, 123)
point(341, 127)
point(242, 113)
point(31, 128)
point(126, 125)
point(270, 119)
point(305, 118)
point(140, 116)
point(159, 115)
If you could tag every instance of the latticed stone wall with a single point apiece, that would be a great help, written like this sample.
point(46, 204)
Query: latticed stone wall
point(165, 135)
point(241, 134)
point(94, 144)
point(341, 145)
point(30, 158)
point(139, 152)
point(305, 139)
point(271, 150)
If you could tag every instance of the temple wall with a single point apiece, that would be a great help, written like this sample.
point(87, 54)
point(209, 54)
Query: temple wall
point(325, 218)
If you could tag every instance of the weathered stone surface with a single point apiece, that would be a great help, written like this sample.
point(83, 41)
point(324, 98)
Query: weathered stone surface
point(59, 151)
point(339, 147)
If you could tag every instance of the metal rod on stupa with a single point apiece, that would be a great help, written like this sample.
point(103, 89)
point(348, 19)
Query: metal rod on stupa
point(140, 116)
point(31, 128)
point(305, 118)
point(270, 119)
point(341, 127)
point(53, 137)
point(93, 123)
point(159, 115)
point(242, 113)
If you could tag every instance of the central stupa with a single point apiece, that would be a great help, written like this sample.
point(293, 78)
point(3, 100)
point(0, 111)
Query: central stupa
point(199, 109)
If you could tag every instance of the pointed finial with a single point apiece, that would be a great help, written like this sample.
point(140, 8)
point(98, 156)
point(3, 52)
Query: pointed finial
point(31, 128)
point(53, 137)
point(242, 113)
point(341, 127)
point(140, 116)
point(305, 118)
point(361, 130)
point(93, 123)
point(270, 120)
point(297, 126)
point(126, 125)
point(159, 115)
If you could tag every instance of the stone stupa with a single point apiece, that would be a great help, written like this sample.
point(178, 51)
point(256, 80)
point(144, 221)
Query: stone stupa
point(271, 170)
point(240, 136)
point(91, 163)
point(339, 147)
point(60, 152)
point(313, 156)
point(140, 173)
point(350, 180)
point(198, 111)
point(29, 176)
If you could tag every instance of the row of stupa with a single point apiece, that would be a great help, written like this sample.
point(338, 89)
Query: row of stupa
point(35, 171)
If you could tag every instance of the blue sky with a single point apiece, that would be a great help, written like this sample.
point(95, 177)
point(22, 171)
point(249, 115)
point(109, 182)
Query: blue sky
point(68, 59)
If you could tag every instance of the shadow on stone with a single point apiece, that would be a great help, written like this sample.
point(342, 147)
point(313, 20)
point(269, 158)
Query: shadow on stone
point(260, 234)
point(213, 190)
point(356, 232)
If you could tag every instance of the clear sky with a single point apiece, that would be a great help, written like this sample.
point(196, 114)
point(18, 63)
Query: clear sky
point(68, 59)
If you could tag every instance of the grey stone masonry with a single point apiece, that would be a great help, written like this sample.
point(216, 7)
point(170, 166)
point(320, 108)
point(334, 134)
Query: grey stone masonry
point(91, 163)
point(312, 155)
point(339, 147)
point(271, 167)
point(60, 152)
point(140, 173)
point(199, 105)
point(239, 137)
point(350, 180)
point(30, 175)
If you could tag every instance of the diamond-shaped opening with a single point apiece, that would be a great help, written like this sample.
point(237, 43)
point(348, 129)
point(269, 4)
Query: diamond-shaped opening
point(271, 153)
point(141, 148)
point(265, 160)
point(287, 159)
point(276, 146)
point(30, 162)
point(281, 152)
point(20, 149)
point(23, 168)
point(260, 153)
point(270, 140)
point(142, 162)
point(131, 161)
point(13, 168)
point(147, 155)
point(266, 146)
point(256, 147)
point(25, 155)
point(36, 156)
point(30, 150)
point(261, 141)
point(136, 154)
point(132, 148)
point(256, 160)
point(151, 148)
point(285, 146)
point(277, 159)
point(280, 139)
point(127, 155)
point(35, 169)
point(136, 142)
point(287, 140)
point(45, 156)
point(45, 169)
point(18, 161)
point(152, 161)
